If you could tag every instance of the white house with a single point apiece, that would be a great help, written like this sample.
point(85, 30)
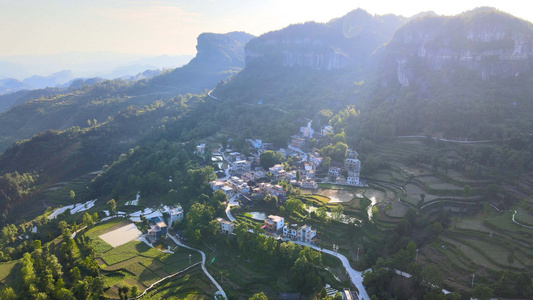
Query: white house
point(277, 190)
point(352, 164)
point(217, 185)
point(228, 190)
point(176, 214)
point(308, 184)
point(326, 129)
point(257, 144)
point(334, 171)
point(200, 149)
point(235, 156)
point(306, 132)
point(315, 160)
point(352, 180)
point(241, 167)
point(305, 234)
point(276, 170)
point(297, 142)
point(226, 226)
point(274, 223)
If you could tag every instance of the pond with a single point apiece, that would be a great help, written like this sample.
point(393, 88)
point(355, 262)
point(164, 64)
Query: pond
point(336, 196)
point(257, 215)
point(344, 219)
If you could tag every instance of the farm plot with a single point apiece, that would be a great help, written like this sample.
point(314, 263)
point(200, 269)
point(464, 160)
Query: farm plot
point(135, 263)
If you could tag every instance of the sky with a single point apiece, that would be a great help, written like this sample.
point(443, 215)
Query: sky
point(164, 27)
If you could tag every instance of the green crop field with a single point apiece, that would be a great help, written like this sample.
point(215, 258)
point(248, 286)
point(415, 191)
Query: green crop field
point(135, 263)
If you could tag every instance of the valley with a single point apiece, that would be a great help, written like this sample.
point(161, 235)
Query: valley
point(312, 162)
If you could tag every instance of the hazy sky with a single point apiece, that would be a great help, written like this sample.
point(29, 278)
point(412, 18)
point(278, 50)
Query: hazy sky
point(37, 27)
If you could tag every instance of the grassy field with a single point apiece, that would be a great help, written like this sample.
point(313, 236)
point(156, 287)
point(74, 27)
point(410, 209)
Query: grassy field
point(135, 263)
point(192, 285)
point(6, 271)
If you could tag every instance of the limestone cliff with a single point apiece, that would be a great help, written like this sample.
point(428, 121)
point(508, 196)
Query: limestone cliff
point(342, 42)
point(218, 56)
point(486, 41)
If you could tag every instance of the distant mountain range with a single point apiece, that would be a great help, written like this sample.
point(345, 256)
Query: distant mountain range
point(18, 73)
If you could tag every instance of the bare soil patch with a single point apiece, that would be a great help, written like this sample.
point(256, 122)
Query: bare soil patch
point(121, 235)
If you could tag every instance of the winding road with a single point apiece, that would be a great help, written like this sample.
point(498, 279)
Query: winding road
point(203, 265)
point(356, 277)
point(228, 211)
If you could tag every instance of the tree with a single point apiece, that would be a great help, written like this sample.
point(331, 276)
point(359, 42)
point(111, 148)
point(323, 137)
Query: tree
point(134, 292)
point(72, 195)
point(294, 206)
point(220, 196)
point(62, 225)
point(322, 214)
point(87, 219)
point(97, 285)
point(336, 212)
point(7, 293)
point(111, 206)
point(36, 244)
point(269, 158)
point(466, 191)
point(9, 233)
point(75, 274)
point(523, 284)
point(81, 290)
point(422, 198)
point(53, 265)
point(258, 296)
point(197, 221)
point(28, 272)
point(64, 294)
point(431, 274)
point(482, 292)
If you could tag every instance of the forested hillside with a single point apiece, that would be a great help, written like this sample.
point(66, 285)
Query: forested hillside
point(219, 55)
point(441, 81)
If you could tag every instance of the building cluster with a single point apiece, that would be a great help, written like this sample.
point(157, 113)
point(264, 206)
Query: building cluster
point(352, 168)
point(231, 187)
point(159, 224)
point(276, 225)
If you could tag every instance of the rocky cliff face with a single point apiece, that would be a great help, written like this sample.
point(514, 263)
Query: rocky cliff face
point(223, 50)
point(485, 41)
point(218, 56)
point(340, 43)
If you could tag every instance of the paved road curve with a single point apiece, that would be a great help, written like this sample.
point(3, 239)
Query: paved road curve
point(203, 265)
point(356, 277)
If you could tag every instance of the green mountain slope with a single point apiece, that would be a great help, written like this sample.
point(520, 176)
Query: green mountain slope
point(218, 56)
point(467, 76)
